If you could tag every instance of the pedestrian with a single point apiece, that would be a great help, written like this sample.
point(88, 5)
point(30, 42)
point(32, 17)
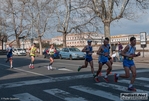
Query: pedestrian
point(88, 58)
point(33, 50)
point(9, 55)
point(104, 53)
point(128, 63)
point(50, 53)
point(120, 47)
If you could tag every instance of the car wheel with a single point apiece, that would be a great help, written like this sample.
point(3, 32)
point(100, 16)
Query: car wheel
point(70, 57)
point(60, 56)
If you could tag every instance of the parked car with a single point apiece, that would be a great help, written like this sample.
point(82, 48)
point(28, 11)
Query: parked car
point(19, 51)
point(56, 53)
point(71, 53)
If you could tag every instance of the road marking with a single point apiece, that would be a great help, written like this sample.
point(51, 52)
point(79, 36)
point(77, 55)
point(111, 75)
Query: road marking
point(26, 97)
point(143, 79)
point(64, 69)
point(136, 83)
point(64, 95)
point(27, 71)
point(57, 79)
point(118, 87)
point(96, 92)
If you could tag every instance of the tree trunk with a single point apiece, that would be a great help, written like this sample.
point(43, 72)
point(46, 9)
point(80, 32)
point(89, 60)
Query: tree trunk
point(107, 30)
point(18, 42)
point(64, 40)
point(40, 46)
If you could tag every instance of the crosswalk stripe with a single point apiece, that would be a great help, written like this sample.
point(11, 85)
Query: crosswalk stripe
point(56, 79)
point(96, 92)
point(118, 87)
point(65, 69)
point(26, 97)
point(64, 95)
point(136, 83)
point(143, 79)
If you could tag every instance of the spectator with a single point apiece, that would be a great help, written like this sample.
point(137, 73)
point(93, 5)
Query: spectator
point(120, 47)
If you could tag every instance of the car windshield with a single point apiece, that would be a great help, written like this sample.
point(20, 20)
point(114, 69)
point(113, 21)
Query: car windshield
point(74, 49)
point(20, 49)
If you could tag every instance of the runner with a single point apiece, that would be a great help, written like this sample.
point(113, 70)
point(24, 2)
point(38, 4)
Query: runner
point(109, 58)
point(9, 55)
point(104, 52)
point(50, 53)
point(88, 49)
point(128, 63)
point(32, 55)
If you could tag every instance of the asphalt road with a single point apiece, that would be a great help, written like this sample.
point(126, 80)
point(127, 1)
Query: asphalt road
point(64, 83)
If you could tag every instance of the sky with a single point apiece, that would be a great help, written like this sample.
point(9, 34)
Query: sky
point(124, 26)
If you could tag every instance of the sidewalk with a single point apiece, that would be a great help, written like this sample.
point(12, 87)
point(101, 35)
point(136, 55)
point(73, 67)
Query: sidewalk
point(142, 59)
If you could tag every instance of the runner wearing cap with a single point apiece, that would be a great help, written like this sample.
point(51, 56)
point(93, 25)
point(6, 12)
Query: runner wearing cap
point(88, 58)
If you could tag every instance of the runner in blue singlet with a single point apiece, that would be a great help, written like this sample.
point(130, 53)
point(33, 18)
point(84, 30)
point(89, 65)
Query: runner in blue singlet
point(88, 58)
point(128, 63)
point(104, 52)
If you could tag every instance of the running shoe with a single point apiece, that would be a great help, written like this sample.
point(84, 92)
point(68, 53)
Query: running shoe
point(96, 79)
point(94, 75)
point(48, 67)
point(115, 78)
point(106, 79)
point(32, 66)
point(132, 89)
point(51, 67)
point(79, 68)
point(11, 67)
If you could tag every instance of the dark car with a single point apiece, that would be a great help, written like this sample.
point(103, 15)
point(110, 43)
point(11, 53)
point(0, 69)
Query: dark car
point(56, 53)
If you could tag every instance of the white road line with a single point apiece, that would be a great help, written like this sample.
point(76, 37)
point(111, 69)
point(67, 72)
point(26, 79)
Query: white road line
point(96, 92)
point(118, 87)
point(27, 71)
point(64, 69)
point(143, 79)
point(57, 79)
point(66, 96)
point(26, 97)
point(136, 83)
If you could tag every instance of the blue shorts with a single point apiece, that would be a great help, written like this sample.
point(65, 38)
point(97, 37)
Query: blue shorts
point(103, 60)
point(128, 63)
point(88, 59)
point(9, 56)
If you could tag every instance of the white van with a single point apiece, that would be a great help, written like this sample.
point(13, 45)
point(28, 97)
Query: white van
point(19, 51)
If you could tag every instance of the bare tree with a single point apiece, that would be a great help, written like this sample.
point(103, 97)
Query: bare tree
point(71, 17)
point(40, 11)
point(15, 10)
point(111, 10)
